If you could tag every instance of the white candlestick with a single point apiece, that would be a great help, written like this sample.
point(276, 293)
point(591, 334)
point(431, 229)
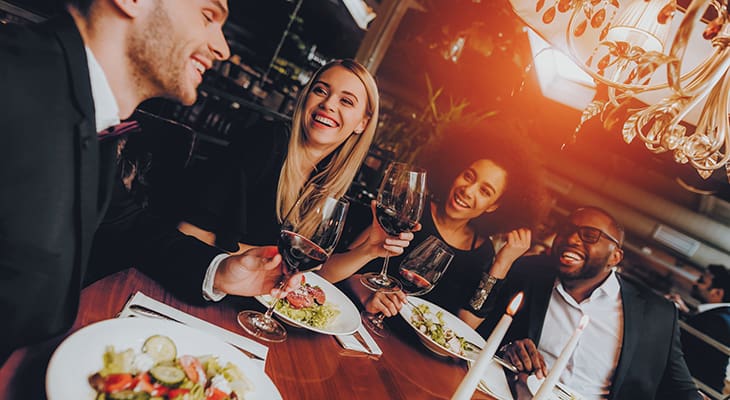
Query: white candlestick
point(559, 366)
point(477, 370)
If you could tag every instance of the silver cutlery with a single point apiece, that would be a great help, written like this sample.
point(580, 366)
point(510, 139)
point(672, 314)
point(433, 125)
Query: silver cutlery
point(148, 312)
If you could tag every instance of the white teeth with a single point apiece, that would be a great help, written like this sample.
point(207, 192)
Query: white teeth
point(324, 120)
point(573, 256)
point(460, 202)
point(199, 66)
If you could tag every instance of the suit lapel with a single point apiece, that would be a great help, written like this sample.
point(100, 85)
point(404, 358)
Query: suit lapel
point(87, 144)
point(539, 301)
point(633, 309)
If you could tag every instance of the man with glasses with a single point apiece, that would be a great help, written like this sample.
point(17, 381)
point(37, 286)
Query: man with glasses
point(629, 350)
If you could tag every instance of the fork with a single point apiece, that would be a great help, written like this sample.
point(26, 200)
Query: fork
point(499, 360)
point(147, 312)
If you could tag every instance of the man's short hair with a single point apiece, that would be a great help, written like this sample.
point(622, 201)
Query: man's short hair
point(720, 280)
point(615, 224)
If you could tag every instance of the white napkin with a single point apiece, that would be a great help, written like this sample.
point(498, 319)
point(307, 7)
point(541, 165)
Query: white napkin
point(232, 338)
point(350, 342)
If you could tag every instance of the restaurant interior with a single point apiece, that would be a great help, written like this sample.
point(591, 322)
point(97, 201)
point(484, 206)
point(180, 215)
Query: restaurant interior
point(440, 61)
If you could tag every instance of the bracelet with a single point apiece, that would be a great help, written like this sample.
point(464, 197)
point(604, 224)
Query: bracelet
point(485, 287)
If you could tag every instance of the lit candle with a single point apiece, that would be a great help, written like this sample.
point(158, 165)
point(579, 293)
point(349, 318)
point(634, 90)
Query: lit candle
point(557, 369)
point(477, 370)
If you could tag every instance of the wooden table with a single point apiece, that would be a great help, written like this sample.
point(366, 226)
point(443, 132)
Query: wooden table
point(306, 366)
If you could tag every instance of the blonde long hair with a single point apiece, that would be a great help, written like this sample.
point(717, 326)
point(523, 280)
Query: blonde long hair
point(340, 172)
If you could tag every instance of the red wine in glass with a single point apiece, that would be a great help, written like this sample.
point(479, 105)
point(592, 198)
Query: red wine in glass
point(413, 282)
point(299, 253)
point(400, 202)
point(419, 272)
point(390, 221)
point(309, 234)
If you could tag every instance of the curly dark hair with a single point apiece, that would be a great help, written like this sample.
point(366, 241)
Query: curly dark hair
point(523, 203)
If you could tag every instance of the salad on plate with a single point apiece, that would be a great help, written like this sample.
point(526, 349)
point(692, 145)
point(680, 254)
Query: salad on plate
point(308, 305)
point(158, 372)
point(433, 326)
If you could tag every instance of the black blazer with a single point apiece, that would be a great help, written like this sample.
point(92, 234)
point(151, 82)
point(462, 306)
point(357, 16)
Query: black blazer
point(55, 184)
point(651, 364)
point(705, 362)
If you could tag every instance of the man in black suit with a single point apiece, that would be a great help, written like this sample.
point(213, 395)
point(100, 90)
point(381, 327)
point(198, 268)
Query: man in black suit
point(629, 350)
point(62, 83)
point(712, 318)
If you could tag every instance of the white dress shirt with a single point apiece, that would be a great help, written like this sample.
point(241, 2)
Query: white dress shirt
point(591, 368)
point(106, 113)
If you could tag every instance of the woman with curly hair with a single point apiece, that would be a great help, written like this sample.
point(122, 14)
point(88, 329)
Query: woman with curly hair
point(484, 182)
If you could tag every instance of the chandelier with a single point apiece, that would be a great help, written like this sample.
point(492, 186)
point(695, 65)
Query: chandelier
point(674, 61)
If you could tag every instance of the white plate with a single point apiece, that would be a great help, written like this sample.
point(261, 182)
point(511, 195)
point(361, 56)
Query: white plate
point(494, 382)
point(80, 355)
point(534, 385)
point(345, 323)
point(450, 321)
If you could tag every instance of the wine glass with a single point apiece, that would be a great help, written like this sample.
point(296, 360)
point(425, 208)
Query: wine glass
point(419, 272)
point(308, 236)
point(400, 203)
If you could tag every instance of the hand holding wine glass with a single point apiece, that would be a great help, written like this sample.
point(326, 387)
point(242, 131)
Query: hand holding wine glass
point(308, 236)
point(400, 203)
point(419, 272)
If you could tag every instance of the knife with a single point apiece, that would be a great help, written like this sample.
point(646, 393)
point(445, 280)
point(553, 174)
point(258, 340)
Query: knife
point(148, 312)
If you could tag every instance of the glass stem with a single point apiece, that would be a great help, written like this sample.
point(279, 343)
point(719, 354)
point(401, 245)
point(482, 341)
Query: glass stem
point(384, 270)
point(378, 320)
point(270, 310)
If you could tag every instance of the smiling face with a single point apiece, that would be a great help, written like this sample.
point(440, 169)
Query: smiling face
point(579, 260)
point(476, 190)
point(335, 107)
point(174, 44)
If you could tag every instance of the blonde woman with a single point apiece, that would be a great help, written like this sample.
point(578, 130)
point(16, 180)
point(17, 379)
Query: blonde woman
point(250, 191)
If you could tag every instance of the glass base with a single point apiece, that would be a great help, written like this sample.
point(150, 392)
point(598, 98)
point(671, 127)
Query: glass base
point(374, 323)
point(378, 282)
point(256, 324)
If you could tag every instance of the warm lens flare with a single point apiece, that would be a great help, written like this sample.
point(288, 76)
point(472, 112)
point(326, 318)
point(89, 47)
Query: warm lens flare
point(514, 305)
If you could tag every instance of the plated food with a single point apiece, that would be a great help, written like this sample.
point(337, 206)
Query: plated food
point(141, 358)
point(308, 305)
point(442, 332)
point(157, 371)
point(318, 306)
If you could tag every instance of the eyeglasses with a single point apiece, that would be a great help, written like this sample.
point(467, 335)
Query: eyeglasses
point(587, 234)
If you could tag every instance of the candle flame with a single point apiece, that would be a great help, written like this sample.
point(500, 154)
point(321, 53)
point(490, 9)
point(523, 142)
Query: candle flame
point(515, 304)
point(583, 322)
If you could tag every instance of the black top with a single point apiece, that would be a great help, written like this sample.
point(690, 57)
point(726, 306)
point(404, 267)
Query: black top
point(456, 287)
point(236, 195)
point(705, 362)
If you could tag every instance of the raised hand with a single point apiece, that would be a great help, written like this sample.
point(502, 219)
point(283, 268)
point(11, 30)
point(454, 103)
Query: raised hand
point(518, 242)
point(256, 271)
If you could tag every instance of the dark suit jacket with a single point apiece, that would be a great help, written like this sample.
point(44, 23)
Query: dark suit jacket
point(55, 181)
point(651, 363)
point(705, 362)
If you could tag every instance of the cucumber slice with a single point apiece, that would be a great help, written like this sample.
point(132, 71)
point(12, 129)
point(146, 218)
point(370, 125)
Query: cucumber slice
point(167, 375)
point(160, 348)
point(128, 395)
